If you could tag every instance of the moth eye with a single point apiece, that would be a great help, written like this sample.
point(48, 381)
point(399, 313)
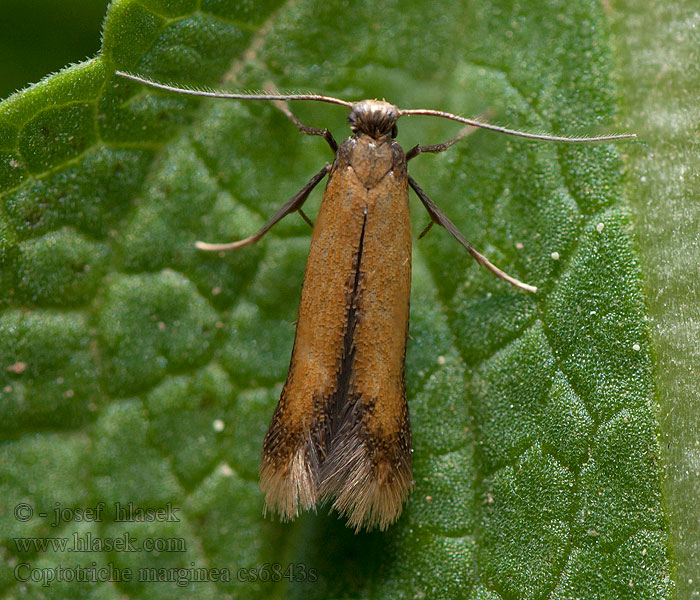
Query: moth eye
point(394, 131)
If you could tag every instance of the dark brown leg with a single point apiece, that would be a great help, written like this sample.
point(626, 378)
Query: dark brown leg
point(435, 148)
point(293, 205)
point(436, 216)
point(324, 133)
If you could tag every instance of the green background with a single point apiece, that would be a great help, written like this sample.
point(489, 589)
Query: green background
point(38, 37)
point(538, 463)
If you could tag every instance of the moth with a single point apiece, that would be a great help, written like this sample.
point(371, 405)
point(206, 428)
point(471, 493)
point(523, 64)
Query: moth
point(341, 430)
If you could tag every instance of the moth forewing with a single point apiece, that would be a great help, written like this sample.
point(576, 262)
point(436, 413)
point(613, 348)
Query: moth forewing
point(343, 407)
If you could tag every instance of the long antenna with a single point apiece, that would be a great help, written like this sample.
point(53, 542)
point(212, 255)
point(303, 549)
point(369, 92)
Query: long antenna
point(533, 136)
point(230, 95)
point(401, 112)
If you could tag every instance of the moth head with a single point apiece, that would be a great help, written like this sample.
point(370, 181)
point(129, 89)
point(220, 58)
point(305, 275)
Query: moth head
point(374, 118)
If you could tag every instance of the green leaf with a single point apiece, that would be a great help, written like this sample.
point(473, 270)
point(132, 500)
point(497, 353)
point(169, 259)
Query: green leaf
point(660, 91)
point(136, 369)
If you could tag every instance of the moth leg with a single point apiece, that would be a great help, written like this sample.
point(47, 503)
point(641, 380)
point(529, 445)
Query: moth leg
point(293, 205)
point(303, 216)
point(324, 133)
point(436, 216)
point(435, 148)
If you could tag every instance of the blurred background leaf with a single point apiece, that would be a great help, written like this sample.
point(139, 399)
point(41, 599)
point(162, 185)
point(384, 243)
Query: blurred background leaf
point(38, 37)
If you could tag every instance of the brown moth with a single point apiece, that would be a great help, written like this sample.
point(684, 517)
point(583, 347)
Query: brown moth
point(341, 431)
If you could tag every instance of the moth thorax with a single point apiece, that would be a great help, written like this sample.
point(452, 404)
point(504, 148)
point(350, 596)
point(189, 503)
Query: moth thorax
point(374, 118)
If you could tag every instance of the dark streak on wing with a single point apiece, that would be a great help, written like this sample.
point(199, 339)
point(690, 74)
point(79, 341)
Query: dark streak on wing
point(345, 406)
